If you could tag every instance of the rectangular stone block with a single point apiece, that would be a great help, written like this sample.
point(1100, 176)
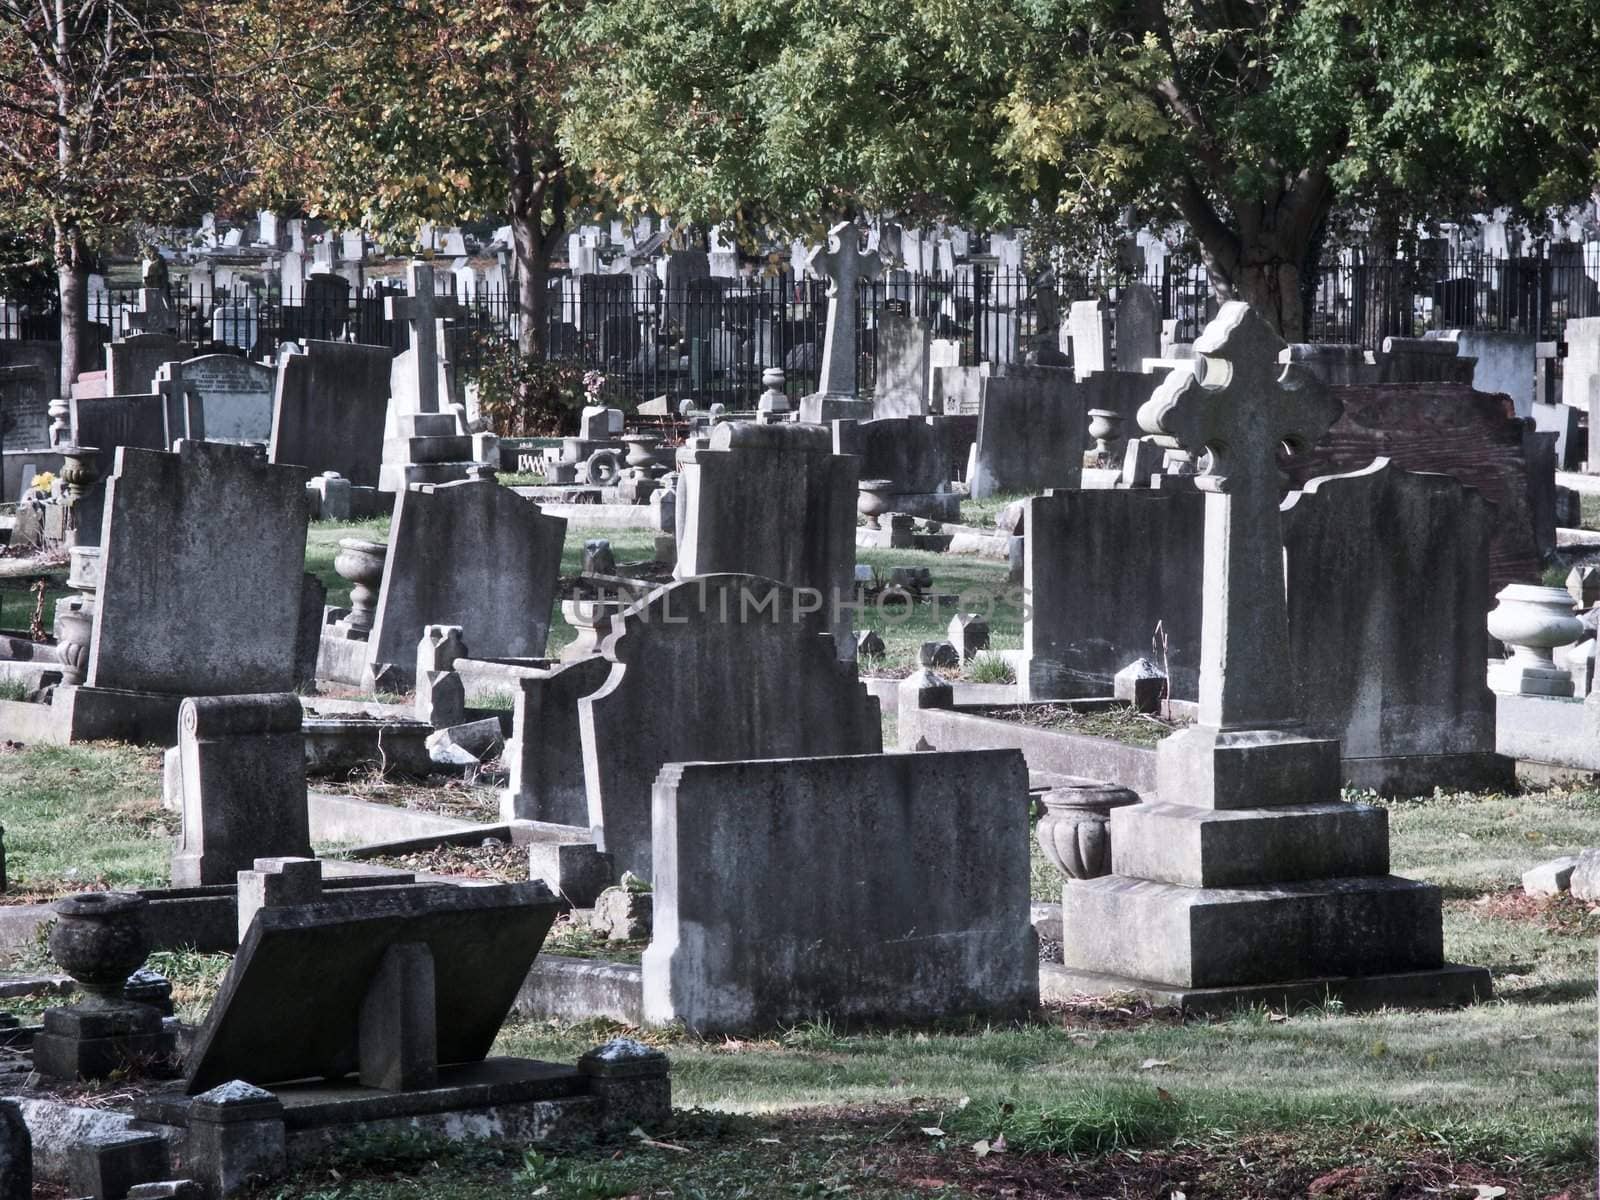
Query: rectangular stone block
point(1217, 937)
point(1202, 847)
point(873, 887)
point(1254, 768)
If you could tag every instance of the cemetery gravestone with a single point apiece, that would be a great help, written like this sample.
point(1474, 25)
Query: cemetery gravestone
point(1030, 435)
point(235, 396)
point(215, 611)
point(243, 765)
point(152, 421)
point(917, 910)
point(317, 969)
point(1504, 363)
point(844, 265)
point(329, 408)
point(132, 362)
point(901, 389)
point(808, 495)
point(545, 751)
point(1399, 683)
point(25, 394)
point(1102, 569)
point(1089, 323)
point(1292, 887)
point(1138, 325)
point(472, 554)
point(715, 668)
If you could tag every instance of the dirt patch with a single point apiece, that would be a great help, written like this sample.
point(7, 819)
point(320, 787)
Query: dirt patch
point(446, 795)
point(493, 859)
point(1564, 913)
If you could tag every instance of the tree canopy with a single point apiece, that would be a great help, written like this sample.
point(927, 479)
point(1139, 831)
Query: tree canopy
point(1249, 119)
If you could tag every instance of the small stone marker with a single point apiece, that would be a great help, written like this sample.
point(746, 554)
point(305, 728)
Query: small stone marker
point(1551, 878)
point(968, 633)
point(1142, 684)
point(274, 882)
point(441, 698)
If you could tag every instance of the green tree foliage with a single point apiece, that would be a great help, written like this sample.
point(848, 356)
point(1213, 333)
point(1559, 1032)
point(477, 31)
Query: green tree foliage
point(1248, 120)
point(396, 112)
point(106, 111)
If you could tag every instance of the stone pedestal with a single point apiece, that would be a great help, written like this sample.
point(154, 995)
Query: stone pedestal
point(84, 1043)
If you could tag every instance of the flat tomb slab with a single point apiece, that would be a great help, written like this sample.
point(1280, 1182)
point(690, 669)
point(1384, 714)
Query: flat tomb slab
point(290, 1005)
point(1449, 986)
point(1224, 937)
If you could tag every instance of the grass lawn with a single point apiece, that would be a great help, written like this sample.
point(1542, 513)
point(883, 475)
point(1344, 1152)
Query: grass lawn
point(1096, 1100)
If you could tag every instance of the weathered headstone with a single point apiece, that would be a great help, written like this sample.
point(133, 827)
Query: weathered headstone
point(1292, 884)
point(714, 668)
point(329, 408)
point(132, 362)
point(215, 611)
point(234, 394)
point(472, 554)
point(545, 751)
point(1138, 326)
point(1089, 324)
point(843, 264)
point(243, 764)
point(1399, 681)
point(808, 494)
point(918, 909)
point(901, 389)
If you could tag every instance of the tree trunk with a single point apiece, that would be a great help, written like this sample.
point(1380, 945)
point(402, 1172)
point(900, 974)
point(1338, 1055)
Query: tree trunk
point(72, 282)
point(1273, 288)
point(533, 286)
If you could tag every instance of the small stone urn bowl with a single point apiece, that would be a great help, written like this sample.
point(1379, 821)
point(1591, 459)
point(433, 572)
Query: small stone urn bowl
point(873, 499)
point(361, 563)
point(100, 938)
point(1533, 621)
point(642, 449)
point(76, 624)
point(1075, 830)
point(1105, 427)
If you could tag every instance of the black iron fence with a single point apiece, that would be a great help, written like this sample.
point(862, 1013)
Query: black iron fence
point(711, 338)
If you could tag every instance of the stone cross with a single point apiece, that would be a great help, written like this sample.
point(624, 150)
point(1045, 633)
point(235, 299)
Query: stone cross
point(180, 404)
point(1242, 408)
point(425, 309)
point(844, 266)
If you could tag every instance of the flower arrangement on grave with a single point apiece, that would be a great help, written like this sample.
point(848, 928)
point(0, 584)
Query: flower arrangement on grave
point(42, 481)
point(593, 382)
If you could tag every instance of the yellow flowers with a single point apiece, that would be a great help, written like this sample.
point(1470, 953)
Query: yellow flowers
point(42, 481)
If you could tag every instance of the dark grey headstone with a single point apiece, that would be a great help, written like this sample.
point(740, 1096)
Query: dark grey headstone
point(329, 410)
point(202, 553)
point(472, 554)
point(714, 668)
point(290, 1005)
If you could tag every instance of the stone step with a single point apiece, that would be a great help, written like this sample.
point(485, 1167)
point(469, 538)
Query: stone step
point(455, 447)
point(428, 424)
point(1224, 937)
point(1206, 847)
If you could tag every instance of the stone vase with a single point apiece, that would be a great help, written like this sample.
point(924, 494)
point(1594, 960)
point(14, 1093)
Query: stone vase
point(360, 562)
point(76, 627)
point(1105, 427)
point(1075, 830)
point(100, 938)
point(873, 499)
point(642, 448)
point(1533, 621)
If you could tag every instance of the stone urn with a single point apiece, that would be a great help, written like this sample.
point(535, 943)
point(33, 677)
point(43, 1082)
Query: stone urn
point(80, 470)
point(75, 631)
point(1105, 427)
point(873, 499)
point(642, 448)
point(100, 938)
point(1533, 621)
point(1075, 830)
point(361, 563)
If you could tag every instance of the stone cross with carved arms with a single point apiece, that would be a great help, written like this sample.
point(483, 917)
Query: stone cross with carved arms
point(844, 265)
point(1242, 409)
point(425, 309)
